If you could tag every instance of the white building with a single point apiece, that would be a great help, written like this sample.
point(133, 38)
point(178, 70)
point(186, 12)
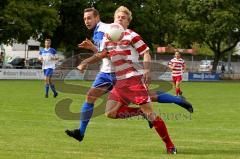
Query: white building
point(28, 50)
point(237, 49)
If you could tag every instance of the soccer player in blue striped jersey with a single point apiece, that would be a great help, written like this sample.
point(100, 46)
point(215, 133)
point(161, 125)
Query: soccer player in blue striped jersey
point(48, 57)
point(104, 80)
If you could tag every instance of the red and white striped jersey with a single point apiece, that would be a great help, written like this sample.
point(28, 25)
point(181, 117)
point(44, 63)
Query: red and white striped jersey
point(178, 68)
point(125, 54)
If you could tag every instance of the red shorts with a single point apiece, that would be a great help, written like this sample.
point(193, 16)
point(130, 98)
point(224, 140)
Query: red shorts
point(131, 90)
point(177, 79)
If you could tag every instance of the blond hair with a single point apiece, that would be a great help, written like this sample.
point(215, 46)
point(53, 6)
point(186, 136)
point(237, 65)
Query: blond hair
point(177, 51)
point(124, 10)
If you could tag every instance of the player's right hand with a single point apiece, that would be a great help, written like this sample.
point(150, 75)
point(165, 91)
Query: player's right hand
point(82, 67)
point(172, 66)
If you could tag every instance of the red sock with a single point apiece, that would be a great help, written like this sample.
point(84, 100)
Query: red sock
point(178, 91)
point(161, 129)
point(127, 112)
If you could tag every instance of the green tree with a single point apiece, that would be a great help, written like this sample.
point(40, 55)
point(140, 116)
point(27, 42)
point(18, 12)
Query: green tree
point(152, 19)
point(22, 19)
point(212, 22)
point(71, 30)
point(157, 21)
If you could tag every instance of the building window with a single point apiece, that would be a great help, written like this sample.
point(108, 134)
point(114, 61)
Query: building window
point(33, 48)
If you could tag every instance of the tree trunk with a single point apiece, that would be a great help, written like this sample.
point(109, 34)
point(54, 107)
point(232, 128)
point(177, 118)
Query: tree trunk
point(217, 55)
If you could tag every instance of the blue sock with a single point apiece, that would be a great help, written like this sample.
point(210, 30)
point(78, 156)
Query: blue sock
point(53, 88)
point(163, 97)
point(46, 89)
point(86, 114)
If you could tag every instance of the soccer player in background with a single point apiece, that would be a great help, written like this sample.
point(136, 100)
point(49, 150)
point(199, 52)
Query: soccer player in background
point(1, 59)
point(48, 58)
point(131, 81)
point(178, 67)
point(106, 79)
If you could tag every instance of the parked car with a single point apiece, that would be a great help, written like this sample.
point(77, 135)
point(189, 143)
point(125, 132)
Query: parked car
point(18, 63)
point(206, 66)
point(34, 63)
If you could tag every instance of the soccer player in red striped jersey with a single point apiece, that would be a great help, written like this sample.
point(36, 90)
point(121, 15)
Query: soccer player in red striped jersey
point(177, 65)
point(132, 78)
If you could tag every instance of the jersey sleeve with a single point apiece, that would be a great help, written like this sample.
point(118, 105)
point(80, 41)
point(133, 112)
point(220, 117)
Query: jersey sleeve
point(97, 39)
point(53, 51)
point(137, 42)
point(100, 43)
point(170, 63)
point(183, 64)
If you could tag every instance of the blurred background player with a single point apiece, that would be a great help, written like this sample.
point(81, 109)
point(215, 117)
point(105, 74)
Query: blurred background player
point(106, 79)
point(1, 59)
point(177, 65)
point(48, 57)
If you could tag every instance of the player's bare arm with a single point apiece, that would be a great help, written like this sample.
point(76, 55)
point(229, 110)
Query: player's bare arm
point(171, 66)
point(91, 60)
point(146, 65)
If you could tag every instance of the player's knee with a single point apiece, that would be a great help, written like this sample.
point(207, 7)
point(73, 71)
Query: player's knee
point(47, 81)
point(91, 98)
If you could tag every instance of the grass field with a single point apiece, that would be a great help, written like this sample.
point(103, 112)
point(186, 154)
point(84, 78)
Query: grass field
point(31, 129)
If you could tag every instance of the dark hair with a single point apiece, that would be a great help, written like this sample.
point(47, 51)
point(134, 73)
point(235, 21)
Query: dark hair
point(48, 40)
point(95, 11)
